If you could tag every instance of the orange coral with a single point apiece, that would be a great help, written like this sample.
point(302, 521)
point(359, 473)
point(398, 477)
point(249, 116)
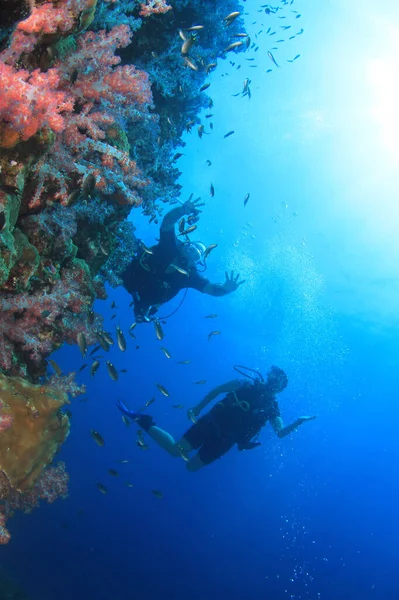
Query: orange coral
point(37, 431)
point(154, 7)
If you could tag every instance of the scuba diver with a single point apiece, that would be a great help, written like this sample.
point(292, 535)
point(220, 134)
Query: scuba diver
point(157, 274)
point(237, 419)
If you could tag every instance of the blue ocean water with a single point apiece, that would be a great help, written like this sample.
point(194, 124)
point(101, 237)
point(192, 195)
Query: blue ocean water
point(312, 515)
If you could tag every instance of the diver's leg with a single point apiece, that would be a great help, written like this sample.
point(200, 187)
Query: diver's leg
point(167, 442)
point(211, 450)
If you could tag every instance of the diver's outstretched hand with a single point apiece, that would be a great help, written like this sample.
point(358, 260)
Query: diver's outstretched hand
point(304, 419)
point(193, 207)
point(232, 282)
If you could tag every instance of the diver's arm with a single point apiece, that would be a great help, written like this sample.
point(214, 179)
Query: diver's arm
point(188, 208)
point(281, 431)
point(215, 289)
point(230, 285)
point(230, 386)
point(171, 218)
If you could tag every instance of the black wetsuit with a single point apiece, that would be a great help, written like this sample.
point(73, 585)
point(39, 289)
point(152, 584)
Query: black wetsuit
point(148, 282)
point(235, 420)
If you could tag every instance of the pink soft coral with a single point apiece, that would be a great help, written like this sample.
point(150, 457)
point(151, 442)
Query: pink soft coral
point(31, 100)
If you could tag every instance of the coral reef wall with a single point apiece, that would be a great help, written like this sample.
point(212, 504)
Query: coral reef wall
point(94, 98)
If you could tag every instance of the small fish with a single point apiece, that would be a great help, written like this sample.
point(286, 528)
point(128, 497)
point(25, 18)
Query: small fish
point(246, 199)
point(108, 338)
point(102, 487)
point(103, 249)
point(81, 339)
point(232, 46)
point(162, 389)
point(189, 230)
point(200, 382)
point(113, 472)
point(300, 32)
point(231, 17)
point(212, 334)
point(209, 249)
point(146, 250)
point(85, 399)
point(177, 405)
point(123, 371)
point(177, 155)
point(73, 197)
point(56, 367)
point(166, 352)
point(128, 484)
point(209, 116)
point(126, 421)
point(112, 372)
point(181, 225)
point(140, 440)
point(88, 185)
point(132, 326)
point(292, 37)
point(113, 305)
point(195, 28)
point(158, 494)
point(150, 401)
point(208, 163)
point(229, 134)
point(123, 461)
point(212, 190)
point(200, 130)
point(113, 316)
point(158, 330)
point(183, 362)
point(190, 63)
point(241, 35)
point(103, 342)
point(83, 367)
point(187, 45)
point(97, 437)
point(94, 350)
point(270, 55)
point(120, 338)
point(192, 416)
point(94, 367)
point(212, 316)
point(295, 58)
point(182, 35)
point(179, 269)
point(204, 87)
point(210, 67)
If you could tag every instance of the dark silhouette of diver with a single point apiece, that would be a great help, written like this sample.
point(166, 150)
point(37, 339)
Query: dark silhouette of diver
point(237, 419)
point(157, 274)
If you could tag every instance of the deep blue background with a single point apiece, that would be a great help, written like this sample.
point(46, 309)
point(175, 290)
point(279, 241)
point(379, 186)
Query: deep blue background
point(314, 515)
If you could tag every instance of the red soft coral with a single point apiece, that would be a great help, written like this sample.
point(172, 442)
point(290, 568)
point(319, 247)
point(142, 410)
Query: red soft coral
point(29, 102)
